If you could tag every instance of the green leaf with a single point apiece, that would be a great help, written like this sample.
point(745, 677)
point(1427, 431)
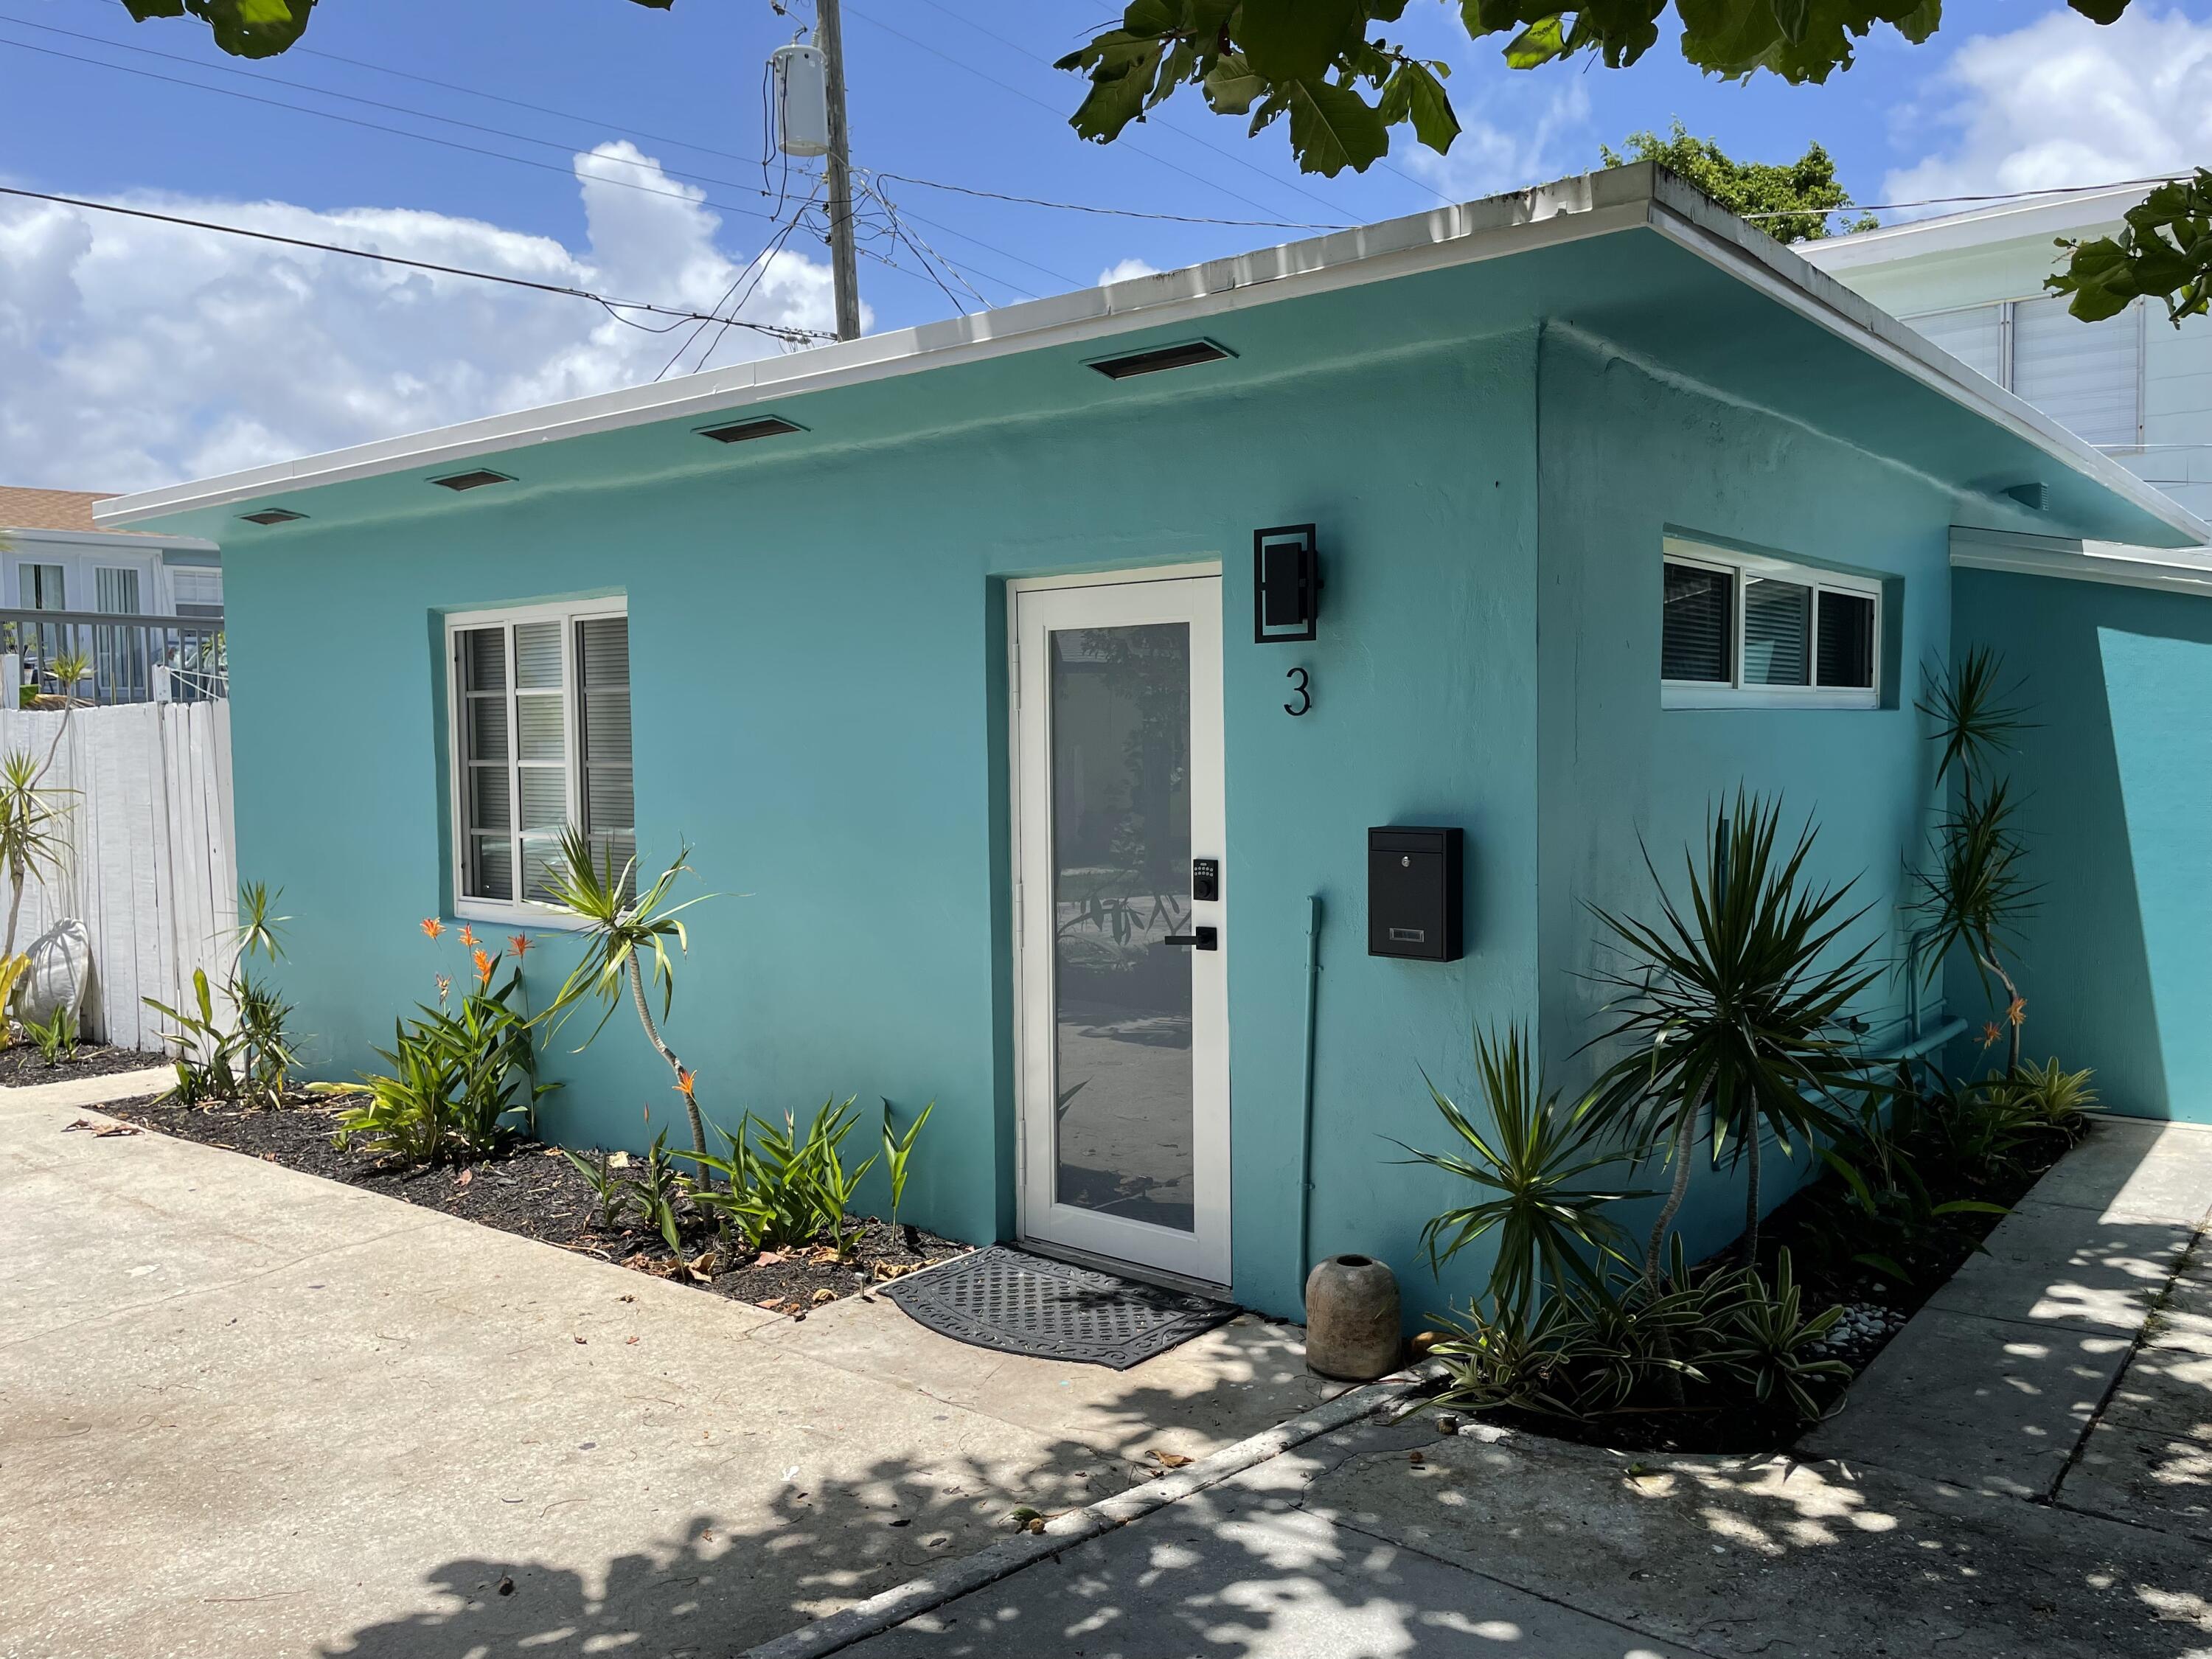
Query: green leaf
point(1970, 1206)
point(1537, 44)
point(1231, 85)
point(1118, 89)
point(1414, 93)
point(1333, 128)
point(1883, 1264)
point(1298, 39)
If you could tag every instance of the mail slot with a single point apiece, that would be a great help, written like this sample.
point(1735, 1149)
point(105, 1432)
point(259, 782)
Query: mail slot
point(1415, 893)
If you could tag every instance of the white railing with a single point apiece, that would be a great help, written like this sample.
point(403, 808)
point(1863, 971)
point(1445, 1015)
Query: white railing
point(129, 658)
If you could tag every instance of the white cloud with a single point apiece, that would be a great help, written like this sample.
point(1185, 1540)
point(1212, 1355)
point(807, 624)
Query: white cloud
point(2062, 101)
point(1527, 148)
point(1124, 270)
point(135, 354)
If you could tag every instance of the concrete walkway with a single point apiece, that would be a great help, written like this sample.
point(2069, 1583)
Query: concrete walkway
point(244, 1412)
point(2021, 1475)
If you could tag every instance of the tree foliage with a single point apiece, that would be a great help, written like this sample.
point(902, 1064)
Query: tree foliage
point(2163, 252)
point(1803, 193)
point(256, 29)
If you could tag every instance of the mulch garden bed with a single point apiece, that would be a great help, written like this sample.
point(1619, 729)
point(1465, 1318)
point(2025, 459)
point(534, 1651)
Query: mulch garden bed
point(534, 1191)
point(1876, 1304)
point(21, 1069)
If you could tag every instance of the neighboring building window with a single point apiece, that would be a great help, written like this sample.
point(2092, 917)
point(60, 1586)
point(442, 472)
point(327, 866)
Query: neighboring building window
point(2088, 377)
point(1737, 627)
point(198, 590)
point(41, 587)
point(115, 591)
point(541, 738)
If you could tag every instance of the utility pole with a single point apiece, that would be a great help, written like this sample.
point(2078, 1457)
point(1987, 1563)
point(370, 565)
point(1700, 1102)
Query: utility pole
point(830, 35)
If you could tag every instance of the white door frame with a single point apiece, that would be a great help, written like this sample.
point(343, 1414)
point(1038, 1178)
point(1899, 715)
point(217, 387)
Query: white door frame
point(1189, 593)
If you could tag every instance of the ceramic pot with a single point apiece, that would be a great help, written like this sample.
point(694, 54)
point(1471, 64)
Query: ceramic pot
point(1351, 1318)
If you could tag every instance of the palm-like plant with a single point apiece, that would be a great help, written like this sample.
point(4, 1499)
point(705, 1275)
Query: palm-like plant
point(1734, 1003)
point(620, 933)
point(1975, 895)
point(1551, 1228)
point(33, 830)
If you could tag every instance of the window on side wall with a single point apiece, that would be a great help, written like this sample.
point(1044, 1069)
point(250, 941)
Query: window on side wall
point(1739, 628)
point(540, 740)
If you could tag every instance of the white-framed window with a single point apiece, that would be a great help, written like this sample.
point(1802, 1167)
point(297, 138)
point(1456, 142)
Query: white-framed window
point(1740, 629)
point(540, 737)
point(115, 590)
point(42, 587)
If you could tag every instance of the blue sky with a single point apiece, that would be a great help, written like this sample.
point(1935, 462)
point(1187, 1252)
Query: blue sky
point(104, 319)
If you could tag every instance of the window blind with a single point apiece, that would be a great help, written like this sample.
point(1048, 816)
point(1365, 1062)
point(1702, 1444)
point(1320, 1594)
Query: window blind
point(1697, 635)
point(1778, 620)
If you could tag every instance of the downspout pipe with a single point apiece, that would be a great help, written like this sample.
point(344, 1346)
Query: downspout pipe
point(1306, 1099)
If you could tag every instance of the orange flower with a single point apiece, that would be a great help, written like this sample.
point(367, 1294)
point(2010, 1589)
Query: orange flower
point(1989, 1035)
point(484, 960)
point(685, 1081)
point(432, 927)
point(468, 936)
point(520, 944)
point(2018, 1012)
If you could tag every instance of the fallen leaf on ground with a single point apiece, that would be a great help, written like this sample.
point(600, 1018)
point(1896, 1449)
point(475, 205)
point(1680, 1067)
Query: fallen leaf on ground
point(618, 1160)
point(895, 1269)
point(770, 1258)
point(825, 1294)
point(101, 1131)
point(822, 1254)
point(1171, 1460)
point(464, 1178)
point(774, 1305)
point(1415, 1459)
point(629, 1341)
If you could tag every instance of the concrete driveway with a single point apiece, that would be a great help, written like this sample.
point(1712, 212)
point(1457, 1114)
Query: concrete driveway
point(247, 1412)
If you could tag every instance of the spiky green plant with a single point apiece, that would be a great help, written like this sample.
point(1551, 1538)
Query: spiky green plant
point(1529, 1169)
point(1975, 893)
point(620, 934)
point(33, 830)
point(1733, 1001)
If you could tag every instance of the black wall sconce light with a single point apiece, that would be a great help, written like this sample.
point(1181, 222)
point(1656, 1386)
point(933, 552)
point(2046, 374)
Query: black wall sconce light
point(1286, 584)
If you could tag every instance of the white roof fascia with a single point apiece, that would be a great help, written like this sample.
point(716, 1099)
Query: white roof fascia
point(138, 541)
point(1497, 227)
point(2007, 222)
point(1493, 227)
point(1685, 215)
point(2174, 570)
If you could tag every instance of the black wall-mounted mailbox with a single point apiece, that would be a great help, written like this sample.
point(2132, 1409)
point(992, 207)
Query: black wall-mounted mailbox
point(1414, 891)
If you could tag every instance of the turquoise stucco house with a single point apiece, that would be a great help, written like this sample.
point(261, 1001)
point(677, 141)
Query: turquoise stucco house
point(942, 648)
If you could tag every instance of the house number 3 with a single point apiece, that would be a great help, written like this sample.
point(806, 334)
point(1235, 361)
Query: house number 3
point(1301, 683)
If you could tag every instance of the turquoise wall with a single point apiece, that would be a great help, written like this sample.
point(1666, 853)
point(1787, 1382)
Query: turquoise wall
point(2116, 776)
point(818, 649)
point(1629, 455)
point(817, 657)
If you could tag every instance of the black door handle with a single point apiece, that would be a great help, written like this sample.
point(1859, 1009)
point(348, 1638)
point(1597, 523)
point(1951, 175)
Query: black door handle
point(1201, 938)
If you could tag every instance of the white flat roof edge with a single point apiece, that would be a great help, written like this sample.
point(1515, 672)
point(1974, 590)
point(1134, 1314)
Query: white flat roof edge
point(1979, 227)
point(1590, 204)
point(140, 540)
point(1569, 209)
point(2107, 563)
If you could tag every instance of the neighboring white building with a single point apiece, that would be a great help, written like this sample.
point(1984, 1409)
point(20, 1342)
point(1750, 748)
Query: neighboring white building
point(60, 574)
point(57, 559)
point(2134, 385)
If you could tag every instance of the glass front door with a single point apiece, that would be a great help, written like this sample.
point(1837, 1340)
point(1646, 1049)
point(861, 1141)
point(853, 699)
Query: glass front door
point(1125, 1094)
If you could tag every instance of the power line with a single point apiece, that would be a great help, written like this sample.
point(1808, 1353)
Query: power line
point(1118, 213)
point(613, 306)
point(378, 126)
point(1952, 201)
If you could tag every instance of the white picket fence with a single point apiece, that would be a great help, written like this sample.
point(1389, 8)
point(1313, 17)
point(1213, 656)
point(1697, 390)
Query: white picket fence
point(153, 870)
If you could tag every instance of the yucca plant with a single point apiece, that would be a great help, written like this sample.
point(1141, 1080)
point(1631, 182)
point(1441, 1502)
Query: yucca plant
point(34, 830)
point(1529, 1169)
point(1975, 893)
point(620, 932)
point(1733, 1000)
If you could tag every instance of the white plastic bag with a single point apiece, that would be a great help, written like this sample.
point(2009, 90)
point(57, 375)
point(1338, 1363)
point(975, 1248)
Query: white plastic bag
point(61, 960)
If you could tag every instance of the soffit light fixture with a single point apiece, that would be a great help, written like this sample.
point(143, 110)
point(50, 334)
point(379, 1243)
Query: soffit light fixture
point(1182, 354)
point(476, 480)
point(737, 432)
point(272, 515)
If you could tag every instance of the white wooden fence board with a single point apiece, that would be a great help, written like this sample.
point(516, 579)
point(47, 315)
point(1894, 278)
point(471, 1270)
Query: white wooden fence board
point(152, 871)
